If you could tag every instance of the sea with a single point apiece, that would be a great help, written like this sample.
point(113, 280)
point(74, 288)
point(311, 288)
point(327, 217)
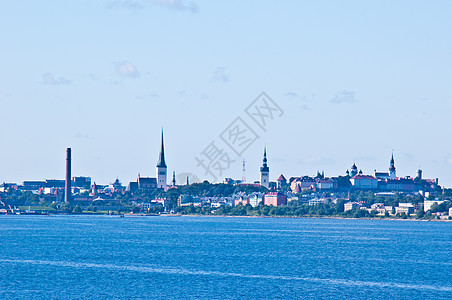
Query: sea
point(168, 257)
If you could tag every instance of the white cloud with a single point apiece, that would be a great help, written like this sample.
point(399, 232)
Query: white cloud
point(177, 5)
point(448, 159)
point(180, 5)
point(49, 78)
point(126, 69)
point(291, 94)
point(344, 96)
point(127, 4)
point(219, 75)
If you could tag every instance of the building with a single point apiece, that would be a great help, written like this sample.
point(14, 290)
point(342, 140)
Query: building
point(302, 183)
point(161, 168)
point(275, 199)
point(33, 185)
point(407, 208)
point(354, 171)
point(325, 184)
point(265, 171)
point(232, 181)
point(392, 169)
point(364, 182)
point(255, 200)
point(281, 182)
point(351, 205)
point(55, 183)
point(81, 182)
point(150, 182)
point(147, 183)
point(428, 204)
point(316, 201)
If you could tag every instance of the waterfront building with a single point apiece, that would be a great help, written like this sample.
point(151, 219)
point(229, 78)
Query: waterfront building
point(255, 200)
point(317, 201)
point(351, 205)
point(275, 199)
point(428, 204)
point(265, 171)
point(407, 208)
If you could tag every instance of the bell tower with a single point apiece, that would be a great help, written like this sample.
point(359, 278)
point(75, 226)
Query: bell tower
point(392, 169)
point(265, 177)
point(161, 168)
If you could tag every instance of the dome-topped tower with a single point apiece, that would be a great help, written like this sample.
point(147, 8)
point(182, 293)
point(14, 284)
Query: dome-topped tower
point(354, 170)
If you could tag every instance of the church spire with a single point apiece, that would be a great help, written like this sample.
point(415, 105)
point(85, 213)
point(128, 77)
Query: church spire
point(265, 171)
point(264, 167)
point(392, 169)
point(391, 163)
point(161, 163)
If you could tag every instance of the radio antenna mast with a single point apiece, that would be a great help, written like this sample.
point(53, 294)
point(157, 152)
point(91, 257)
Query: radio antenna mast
point(243, 171)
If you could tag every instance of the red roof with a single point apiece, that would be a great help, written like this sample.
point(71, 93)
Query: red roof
point(281, 178)
point(272, 194)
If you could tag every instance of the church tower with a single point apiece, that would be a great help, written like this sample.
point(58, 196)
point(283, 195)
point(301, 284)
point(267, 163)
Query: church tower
point(161, 168)
point(392, 170)
point(354, 170)
point(265, 177)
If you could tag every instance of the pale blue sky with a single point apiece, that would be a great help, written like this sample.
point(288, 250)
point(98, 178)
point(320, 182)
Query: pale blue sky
point(355, 80)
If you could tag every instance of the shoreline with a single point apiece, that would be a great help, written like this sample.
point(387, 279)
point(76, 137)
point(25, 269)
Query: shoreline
point(225, 216)
point(311, 217)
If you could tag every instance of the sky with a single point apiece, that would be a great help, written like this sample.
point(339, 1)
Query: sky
point(344, 82)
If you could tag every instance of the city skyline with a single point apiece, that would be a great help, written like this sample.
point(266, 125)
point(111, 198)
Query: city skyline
point(353, 82)
point(263, 170)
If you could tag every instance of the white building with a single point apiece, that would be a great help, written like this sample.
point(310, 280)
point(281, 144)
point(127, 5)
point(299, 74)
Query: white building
point(351, 205)
point(407, 208)
point(254, 201)
point(364, 182)
point(428, 204)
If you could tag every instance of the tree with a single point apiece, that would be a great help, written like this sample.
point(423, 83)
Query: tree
point(77, 210)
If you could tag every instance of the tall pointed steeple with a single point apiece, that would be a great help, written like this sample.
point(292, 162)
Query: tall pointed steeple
point(161, 169)
point(264, 167)
point(174, 178)
point(265, 177)
point(161, 162)
point(392, 169)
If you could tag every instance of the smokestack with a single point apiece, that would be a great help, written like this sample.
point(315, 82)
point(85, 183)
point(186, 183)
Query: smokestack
point(67, 186)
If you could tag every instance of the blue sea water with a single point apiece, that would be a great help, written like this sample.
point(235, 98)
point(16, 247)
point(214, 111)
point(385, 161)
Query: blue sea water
point(107, 257)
